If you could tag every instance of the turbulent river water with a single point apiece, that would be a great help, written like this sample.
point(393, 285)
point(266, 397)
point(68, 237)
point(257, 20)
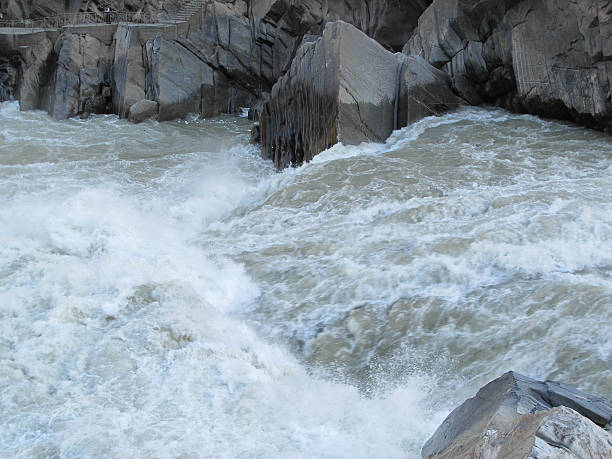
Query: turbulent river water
point(165, 293)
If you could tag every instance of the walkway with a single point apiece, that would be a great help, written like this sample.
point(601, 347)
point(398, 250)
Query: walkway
point(184, 14)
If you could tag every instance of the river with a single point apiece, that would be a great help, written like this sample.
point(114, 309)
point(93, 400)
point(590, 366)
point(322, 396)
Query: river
point(164, 292)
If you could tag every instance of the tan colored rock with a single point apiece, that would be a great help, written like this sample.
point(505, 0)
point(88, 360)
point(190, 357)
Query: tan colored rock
point(516, 417)
point(559, 433)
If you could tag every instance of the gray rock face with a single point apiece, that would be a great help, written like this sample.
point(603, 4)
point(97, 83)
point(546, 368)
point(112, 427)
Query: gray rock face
point(9, 78)
point(143, 110)
point(548, 57)
point(36, 85)
point(175, 78)
point(423, 91)
point(502, 402)
point(82, 76)
point(341, 88)
point(345, 87)
point(129, 73)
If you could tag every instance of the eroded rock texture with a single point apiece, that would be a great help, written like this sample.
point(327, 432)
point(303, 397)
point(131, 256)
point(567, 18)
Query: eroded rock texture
point(340, 88)
point(546, 57)
point(345, 87)
point(516, 416)
point(83, 76)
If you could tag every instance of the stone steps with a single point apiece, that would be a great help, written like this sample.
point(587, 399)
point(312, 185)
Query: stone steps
point(189, 9)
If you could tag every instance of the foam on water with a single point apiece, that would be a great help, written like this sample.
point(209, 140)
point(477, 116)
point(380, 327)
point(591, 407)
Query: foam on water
point(163, 292)
point(479, 241)
point(118, 314)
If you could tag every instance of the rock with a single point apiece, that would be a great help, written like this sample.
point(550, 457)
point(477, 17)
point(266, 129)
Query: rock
point(83, 71)
point(129, 73)
point(9, 78)
point(497, 408)
point(37, 74)
point(255, 134)
point(549, 58)
point(557, 433)
point(341, 88)
point(143, 110)
point(22, 9)
point(345, 87)
point(423, 91)
point(175, 77)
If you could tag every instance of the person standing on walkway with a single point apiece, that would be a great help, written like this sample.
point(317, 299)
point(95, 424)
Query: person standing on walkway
point(107, 15)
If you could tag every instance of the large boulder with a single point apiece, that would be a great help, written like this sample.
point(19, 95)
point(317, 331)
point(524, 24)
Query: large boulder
point(9, 78)
point(546, 57)
point(175, 77)
point(83, 76)
point(559, 433)
point(143, 110)
point(502, 412)
point(341, 88)
point(129, 72)
point(345, 87)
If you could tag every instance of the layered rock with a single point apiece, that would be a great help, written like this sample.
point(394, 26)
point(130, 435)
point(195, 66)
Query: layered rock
point(548, 57)
point(346, 87)
point(517, 415)
point(83, 75)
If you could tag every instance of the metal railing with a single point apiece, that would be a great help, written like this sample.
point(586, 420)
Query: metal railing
point(61, 20)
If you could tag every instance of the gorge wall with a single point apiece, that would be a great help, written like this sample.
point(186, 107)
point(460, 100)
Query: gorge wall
point(316, 72)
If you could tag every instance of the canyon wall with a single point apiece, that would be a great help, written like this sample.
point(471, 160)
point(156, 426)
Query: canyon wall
point(317, 72)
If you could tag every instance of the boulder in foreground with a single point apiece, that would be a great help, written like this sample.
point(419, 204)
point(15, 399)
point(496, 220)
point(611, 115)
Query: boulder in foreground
point(516, 416)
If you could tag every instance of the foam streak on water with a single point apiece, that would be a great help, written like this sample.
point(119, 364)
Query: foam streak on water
point(165, 293)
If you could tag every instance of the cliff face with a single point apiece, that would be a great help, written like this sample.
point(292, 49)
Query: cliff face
point(345, 87)
point(232, 51)
point(546, 57)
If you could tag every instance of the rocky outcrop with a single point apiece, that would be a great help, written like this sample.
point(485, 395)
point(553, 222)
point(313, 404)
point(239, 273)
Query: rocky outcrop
point(175, 78)
point(516, 414)
point(9, 78)
point(143, 110)
point(83, 76)
point(550, 57)
point(346, 87)
point(339, 89)
point(559, 433)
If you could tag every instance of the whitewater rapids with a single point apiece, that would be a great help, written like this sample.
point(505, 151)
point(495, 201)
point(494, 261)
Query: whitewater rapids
point(165, 293)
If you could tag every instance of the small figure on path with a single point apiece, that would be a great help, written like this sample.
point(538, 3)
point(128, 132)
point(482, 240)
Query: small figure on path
point(107, 15)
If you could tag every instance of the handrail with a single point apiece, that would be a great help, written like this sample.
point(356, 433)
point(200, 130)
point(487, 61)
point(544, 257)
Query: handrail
point(61, 20)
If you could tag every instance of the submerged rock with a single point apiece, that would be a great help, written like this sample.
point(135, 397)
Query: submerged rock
point(515, 413)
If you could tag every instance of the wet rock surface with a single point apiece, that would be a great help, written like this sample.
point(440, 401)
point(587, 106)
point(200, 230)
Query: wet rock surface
point(346, 87)
point(518, 414)
point(143, 110)
point(549, 58)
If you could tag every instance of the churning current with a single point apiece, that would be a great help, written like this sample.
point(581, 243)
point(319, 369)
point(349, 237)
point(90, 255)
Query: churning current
point(165, 293)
